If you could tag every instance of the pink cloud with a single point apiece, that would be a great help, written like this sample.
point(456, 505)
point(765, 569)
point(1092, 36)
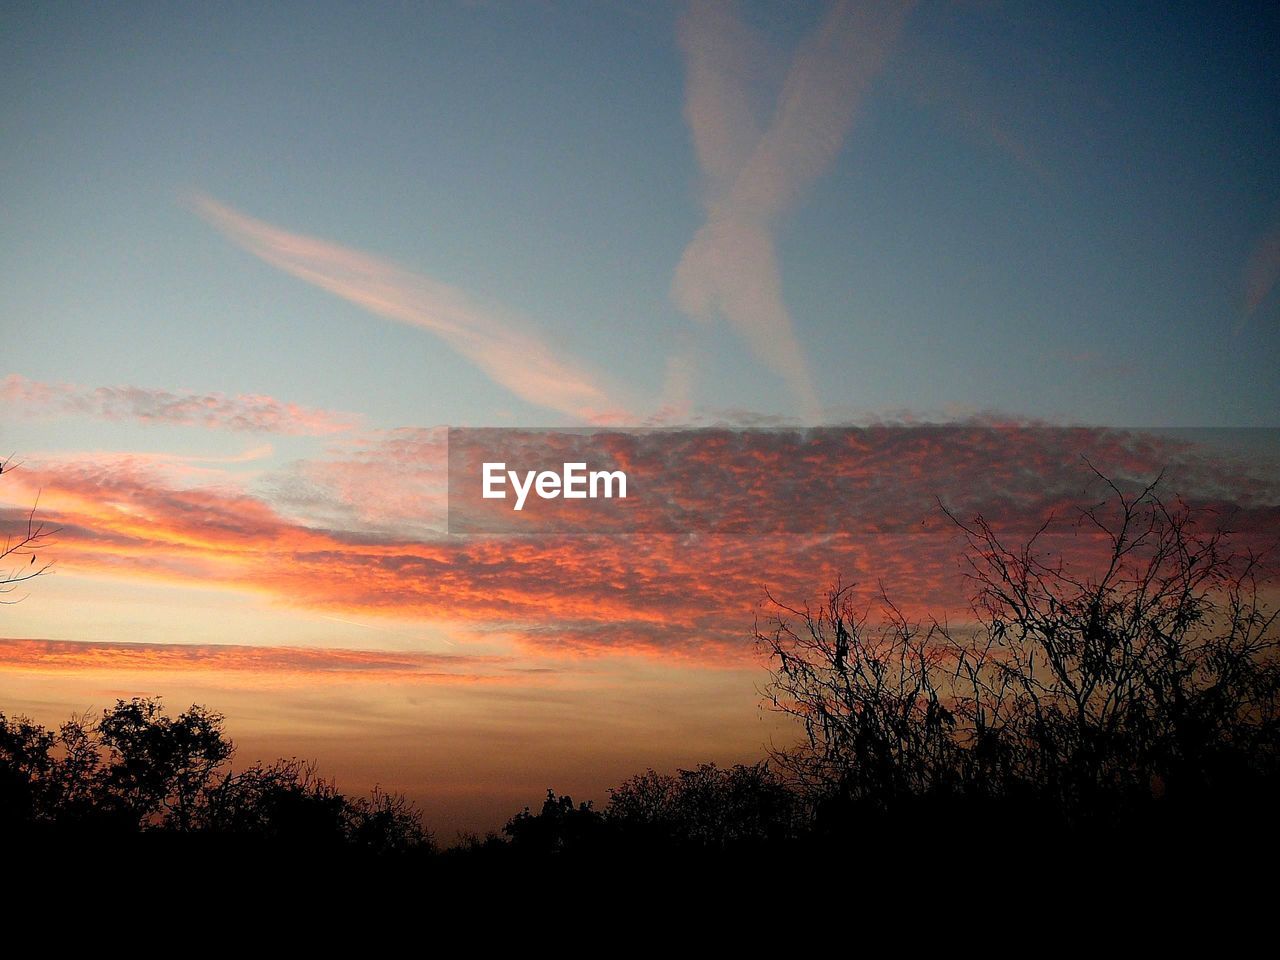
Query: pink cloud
point(672, 594)
point(755, 175)
point(1261, 273)
point(248, 413)
point(316, 664)
point(497, 342)
point(392, 480)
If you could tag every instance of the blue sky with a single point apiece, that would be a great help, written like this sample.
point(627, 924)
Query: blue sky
point(1032, 211)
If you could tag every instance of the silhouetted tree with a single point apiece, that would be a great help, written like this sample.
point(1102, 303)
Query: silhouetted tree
point(1082, 693)
point(49, 778)
point(1152, 674)
point(559, 827)
point(871, 701)
point(386, 823)
point(283, 801)
point(156, 768)
point(138, 769)
point(707, 807)
point(25, 765)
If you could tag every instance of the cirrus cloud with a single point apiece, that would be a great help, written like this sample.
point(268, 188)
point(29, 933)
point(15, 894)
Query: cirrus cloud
point(247, 413)
point(496, 341)
point(757, 173)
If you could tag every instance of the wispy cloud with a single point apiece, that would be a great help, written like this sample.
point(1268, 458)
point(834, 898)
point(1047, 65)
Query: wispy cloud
point(248, 413)
point(1261, 273)
point(500, 344)
point(755, 175)
point(335, 664)
point(390, 481)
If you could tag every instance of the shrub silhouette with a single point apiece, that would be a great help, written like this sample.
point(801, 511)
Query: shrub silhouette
point(1082, 697)
point(283, 801)
point(558, 828)
point(707, 807)
point(138, 770)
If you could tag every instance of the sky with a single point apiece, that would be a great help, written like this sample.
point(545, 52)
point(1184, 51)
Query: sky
point(254, 259)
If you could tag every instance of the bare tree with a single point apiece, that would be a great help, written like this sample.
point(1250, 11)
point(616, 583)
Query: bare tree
point(1149, 672)
point(707, 807)
point(19, 561)
point(871, 699)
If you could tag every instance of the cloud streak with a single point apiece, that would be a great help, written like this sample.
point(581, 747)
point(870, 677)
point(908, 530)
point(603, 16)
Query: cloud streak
point(1261, 273)
point(499, 344)
point(247, 413)
point(335, 664)
point(391, 481)
point(756, 175)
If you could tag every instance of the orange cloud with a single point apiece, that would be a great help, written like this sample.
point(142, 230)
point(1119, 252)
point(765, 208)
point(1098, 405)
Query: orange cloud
point(59, 656)
point(667, 594)
point(392, 481)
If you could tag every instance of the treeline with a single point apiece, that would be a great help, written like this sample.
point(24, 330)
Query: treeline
point(138, 771)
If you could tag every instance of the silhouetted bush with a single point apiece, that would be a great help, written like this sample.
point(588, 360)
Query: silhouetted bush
point(707, 807)
point(1146, 685)
point(138, 770)
point(558, 828)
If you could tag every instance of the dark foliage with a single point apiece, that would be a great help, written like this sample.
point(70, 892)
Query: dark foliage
point(708, 807)
point(136, 770)
point(559, 827)
point(1116, 697)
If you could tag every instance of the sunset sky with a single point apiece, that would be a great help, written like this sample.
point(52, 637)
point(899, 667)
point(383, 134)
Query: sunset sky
point(257, 258)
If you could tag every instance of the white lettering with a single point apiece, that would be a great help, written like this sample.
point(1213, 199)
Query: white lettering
point(522, 491)
point(548, 485)
point(572, 482)
point(573, 475)
point(493, 475)
point(609, 477)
